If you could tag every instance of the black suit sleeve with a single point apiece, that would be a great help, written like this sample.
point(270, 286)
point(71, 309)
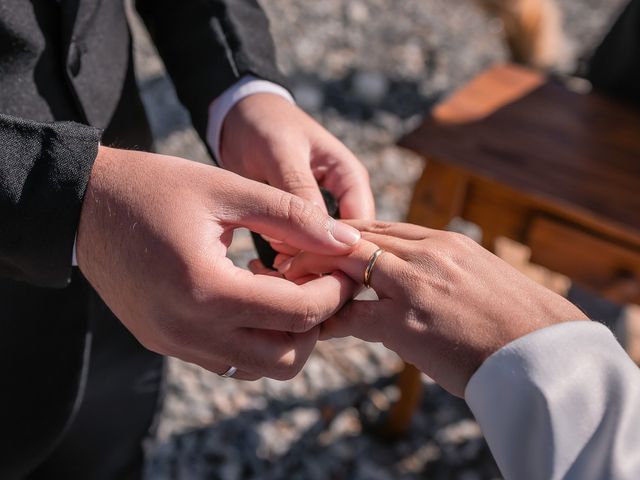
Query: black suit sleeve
point(207, 45)
point(44, 171)
point(615, 65)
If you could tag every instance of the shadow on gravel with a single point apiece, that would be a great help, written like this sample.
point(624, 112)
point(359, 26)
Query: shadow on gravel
point(360, 94)
point(165, 112)
point(333, 439)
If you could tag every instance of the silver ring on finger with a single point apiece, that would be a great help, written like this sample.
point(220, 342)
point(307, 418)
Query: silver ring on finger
point(229, 373)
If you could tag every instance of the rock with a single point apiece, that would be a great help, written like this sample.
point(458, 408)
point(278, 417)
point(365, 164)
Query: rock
point(370, 87)
point(357, 12)
point(460, 432)
point(308, 96)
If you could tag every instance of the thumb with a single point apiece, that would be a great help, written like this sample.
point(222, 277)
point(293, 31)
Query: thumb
point(290, 219)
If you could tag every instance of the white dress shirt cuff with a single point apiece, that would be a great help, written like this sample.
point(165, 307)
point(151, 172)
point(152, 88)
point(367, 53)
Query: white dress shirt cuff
point(247, 85)
point(551, 404)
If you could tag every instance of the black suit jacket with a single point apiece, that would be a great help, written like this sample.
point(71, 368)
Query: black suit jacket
point(615, 66)
point(68, 61)
point(66, 82)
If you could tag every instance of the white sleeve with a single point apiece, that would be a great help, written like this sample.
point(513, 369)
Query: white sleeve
point(562, 402)
point(247, 85)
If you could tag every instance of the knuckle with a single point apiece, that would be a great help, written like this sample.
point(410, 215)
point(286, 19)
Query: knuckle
point(380, 226)
point(297, 210)
point(298, 181)
point(458, 249)
point(287, 367)
point(413, 276)
point(459, 240)
point(305, 318)
point(377, 227)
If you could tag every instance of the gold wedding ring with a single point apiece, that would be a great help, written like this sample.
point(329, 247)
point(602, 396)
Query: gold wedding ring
point(372, 262)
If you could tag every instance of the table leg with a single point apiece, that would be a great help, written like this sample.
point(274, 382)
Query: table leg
point(399, 417)
point(438, 196)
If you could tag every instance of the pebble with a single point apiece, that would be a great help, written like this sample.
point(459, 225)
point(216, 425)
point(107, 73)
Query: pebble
point(308, 96)
point(370, 87)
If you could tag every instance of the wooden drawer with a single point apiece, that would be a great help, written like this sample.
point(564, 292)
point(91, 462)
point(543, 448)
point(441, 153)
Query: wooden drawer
point(596, 262)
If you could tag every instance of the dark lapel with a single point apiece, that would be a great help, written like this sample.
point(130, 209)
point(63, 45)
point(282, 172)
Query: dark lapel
point(77, 17)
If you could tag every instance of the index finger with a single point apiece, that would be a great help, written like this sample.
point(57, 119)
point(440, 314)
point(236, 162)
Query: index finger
point(386, 274)
point(290, 219)
point(348, 180)
point(405, 231)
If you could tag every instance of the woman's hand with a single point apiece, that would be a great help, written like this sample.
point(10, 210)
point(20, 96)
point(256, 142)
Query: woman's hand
point(446, 303)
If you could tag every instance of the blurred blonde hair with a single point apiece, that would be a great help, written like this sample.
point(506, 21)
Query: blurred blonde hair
point(533, 31)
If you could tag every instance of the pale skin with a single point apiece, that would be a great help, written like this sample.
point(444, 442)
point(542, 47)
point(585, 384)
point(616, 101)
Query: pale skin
point(291, 151)
point(154, 232)
point(445, 303)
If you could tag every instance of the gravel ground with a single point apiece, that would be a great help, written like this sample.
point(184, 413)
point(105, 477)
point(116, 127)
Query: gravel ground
point(366, 70)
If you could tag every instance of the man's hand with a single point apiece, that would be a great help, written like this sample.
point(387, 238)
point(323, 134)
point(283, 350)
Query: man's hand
point(152, 241)
point(266, 138)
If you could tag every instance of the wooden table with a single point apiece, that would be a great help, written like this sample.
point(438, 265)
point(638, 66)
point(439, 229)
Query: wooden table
point(530, 160)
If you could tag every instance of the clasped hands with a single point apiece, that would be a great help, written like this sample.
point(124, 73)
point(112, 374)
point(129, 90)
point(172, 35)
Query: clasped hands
point(154, 232)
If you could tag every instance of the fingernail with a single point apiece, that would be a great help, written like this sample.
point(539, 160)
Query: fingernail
point(284, 266)
point(279, 260)
point(344, 233)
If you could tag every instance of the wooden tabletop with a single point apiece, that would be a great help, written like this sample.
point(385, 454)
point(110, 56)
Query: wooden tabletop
point(579, 152)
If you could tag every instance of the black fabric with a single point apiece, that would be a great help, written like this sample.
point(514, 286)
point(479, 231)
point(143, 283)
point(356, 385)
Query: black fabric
point(209, 44)
point(66, 75)
point(129, 128)
point(69, 61)
point(615, 66)
point(44, 170)
point(42, 347)
point(105, 406)
point(124, 383)
point(51, 340)
point(33, 77)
